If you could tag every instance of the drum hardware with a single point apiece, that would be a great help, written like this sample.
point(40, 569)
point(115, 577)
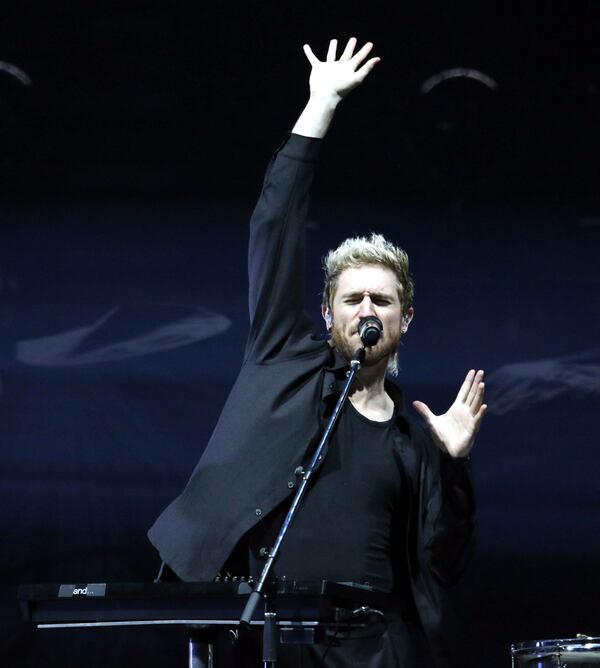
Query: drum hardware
point(583, 651)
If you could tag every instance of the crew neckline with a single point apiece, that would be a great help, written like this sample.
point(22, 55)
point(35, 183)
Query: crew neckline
point(375, 423)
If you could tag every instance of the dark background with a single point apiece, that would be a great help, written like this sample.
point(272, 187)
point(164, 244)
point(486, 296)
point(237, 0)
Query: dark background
point(133, 139)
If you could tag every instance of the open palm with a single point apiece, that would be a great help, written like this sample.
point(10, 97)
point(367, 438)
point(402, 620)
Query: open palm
point(339, 77)
point(455, 430)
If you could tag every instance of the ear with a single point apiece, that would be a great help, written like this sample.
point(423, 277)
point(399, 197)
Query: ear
point(407, 319)
point(326, 313)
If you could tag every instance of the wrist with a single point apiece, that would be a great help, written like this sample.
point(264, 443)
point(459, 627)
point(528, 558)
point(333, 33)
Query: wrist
point(327, 100)
point(458, 457)
point(315, 119)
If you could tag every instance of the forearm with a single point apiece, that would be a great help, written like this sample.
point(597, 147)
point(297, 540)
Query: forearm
point(450, 524)
point(277, 247)
point(316, 117)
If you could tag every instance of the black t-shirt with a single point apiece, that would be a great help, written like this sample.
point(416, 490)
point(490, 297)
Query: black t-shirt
point(343, 531)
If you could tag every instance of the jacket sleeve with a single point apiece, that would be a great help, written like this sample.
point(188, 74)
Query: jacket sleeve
point(448, 507)
point(276, 257)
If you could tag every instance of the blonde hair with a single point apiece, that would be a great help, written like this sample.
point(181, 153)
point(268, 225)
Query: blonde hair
point(358, 251)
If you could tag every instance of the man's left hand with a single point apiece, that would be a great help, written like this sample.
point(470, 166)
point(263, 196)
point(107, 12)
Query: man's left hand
point(454, 432)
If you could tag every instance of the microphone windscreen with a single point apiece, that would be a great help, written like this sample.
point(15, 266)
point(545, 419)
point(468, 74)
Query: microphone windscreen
point(370, 330)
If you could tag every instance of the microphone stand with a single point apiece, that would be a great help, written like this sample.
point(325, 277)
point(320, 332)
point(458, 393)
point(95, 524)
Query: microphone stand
point(270, 627)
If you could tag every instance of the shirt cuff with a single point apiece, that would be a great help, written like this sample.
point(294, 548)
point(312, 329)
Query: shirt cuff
point(451, 466)
point(300, 147)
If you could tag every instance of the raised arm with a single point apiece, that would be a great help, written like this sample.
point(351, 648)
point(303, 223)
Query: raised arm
point(276, 260)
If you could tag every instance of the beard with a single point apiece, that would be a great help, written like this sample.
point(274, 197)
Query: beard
point(386, 349)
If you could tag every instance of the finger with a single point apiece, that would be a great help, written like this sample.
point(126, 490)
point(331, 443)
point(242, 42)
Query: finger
point(359, 56)
point(423, 409)
point(349, 50)
point(312, 59)
point(463, 393)
point(474, 389)
point(475, 404)
point(366, 68)
point(331, 51)
point(479, 417)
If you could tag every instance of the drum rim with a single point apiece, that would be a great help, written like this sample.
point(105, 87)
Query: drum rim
point(560, 644)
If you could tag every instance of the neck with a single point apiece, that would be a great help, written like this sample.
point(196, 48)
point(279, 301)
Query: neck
point(368, 389)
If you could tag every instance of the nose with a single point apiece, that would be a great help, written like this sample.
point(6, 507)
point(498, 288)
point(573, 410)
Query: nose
point(366, 307)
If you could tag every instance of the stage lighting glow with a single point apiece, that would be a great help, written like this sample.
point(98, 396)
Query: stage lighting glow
point(16, 72)
point(457, 73)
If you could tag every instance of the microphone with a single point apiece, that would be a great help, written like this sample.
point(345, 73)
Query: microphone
point(370, 330)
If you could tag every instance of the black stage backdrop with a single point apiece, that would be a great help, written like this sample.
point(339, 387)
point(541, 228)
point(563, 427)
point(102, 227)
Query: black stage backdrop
point(133, 145)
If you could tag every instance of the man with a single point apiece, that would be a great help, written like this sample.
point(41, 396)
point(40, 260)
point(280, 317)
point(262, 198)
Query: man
point(386, 506)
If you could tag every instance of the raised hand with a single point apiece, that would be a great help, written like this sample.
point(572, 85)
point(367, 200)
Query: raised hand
point(454, 432)
point(330, 80)
point(337, 78)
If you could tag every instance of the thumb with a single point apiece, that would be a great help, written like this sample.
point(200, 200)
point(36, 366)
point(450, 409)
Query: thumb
point(423, 409)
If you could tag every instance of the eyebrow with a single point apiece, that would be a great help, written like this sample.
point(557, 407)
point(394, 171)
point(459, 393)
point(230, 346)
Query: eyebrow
point(373, 295)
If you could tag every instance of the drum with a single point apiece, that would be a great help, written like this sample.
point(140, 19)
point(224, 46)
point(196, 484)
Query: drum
point(580, 652)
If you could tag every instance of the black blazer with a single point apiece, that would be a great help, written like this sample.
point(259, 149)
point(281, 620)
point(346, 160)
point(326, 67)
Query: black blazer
point(275, 413)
